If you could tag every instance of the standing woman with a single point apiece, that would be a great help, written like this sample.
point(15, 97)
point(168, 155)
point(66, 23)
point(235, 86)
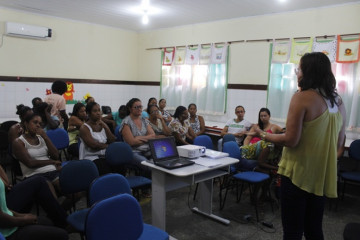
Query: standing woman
point(197, 122)
point(136, 132)
point(314, 139)
point(76, 120)
point(180, 127)
point(95, 137)
point(166, 115)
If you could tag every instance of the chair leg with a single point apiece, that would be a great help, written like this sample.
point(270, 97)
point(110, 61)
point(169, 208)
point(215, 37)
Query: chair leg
point(252, 194)
point(196, 188)
point(343, 191)
point(238, 196)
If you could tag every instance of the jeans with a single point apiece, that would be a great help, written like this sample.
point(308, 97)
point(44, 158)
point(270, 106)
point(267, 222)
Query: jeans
point(301, 212)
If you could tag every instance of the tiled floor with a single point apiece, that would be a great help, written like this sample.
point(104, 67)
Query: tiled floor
point(182, 223)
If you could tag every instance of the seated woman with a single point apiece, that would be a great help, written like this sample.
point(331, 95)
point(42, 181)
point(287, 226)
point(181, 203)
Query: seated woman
point(17, 130)
point(95, 136)
point(180, 127)
point(21, 198)
point(36, 153)
point(166, 115)
point(152, 101)
point(48, 121)
point(255, 148)
point(136, 131)
point(157, 122)
point(197, 122)
point(237, 126)
point(20, 226)
point(76, 120)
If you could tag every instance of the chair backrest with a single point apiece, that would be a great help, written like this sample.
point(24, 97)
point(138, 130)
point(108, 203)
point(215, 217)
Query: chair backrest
point(2, 237)
point(228, 138)
point(117, 217)
point(232, 149)
point(59, 137)
point(118, 153)
point(107, 186)
point(204, 141)
point(117, 134)
point(354, 151)
point(77, 175)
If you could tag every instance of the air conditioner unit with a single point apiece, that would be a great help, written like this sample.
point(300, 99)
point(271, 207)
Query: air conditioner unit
point(27, 31)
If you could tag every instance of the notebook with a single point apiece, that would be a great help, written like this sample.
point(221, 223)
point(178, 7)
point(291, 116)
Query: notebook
point(165, 154)
point(215, 154)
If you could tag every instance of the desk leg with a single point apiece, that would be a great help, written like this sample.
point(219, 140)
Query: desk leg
point(205, 203)
point(158, 202)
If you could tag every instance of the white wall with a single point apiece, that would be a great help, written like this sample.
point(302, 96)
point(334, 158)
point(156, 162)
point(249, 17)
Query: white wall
point(80, 50)
point(76, 50)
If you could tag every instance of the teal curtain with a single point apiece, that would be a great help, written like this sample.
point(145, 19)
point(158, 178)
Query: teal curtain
point(283, 84)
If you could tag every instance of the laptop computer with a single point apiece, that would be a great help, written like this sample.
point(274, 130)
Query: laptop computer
point(165, 154)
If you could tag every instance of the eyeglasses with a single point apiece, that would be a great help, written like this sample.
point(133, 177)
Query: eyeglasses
point(155, 111)
point(138, 107)
point(239, 111)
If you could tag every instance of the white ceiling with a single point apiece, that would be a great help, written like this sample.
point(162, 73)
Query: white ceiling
point(169, 13)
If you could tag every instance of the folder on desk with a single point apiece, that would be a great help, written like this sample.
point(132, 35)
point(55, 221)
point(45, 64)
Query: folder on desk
point(215, 154)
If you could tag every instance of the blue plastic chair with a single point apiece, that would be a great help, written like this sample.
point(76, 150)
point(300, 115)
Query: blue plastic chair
point(76, 176)
point(101, 188)
point(119, 217)
point(351, 176)
point(60, 138)
point(120, 153)
point(2, 237)
point(250, 177)
point(204, 141)
point(117, 134)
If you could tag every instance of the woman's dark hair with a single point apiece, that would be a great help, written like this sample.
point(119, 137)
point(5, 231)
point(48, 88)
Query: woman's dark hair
point(87, 100)
point(239, 107)
point(317, 74)
point(163, 99)
point(22, 110)
point(31, 116)
point(59, 87)
point(192, 104)
point(40, 110)
point(130, 103)
point(260, 123)
point(150, 106)
point(35, 100)
point(179, 110)
point(122, 108)
point(150, 99)
point(77, 108)
point(90, 106)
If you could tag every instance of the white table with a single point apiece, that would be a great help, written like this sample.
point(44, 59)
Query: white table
point(164, 180)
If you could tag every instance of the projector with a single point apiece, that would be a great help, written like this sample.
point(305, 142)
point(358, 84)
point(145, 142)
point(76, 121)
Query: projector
point(191, 151)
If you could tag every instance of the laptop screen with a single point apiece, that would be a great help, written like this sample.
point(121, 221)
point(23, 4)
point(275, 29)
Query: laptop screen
point(163, 149)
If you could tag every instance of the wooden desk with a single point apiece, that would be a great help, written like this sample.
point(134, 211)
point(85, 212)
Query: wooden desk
point(165, 180)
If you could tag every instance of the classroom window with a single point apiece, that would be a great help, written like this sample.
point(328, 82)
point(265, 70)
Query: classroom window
point(283, 84)
point(204, 85)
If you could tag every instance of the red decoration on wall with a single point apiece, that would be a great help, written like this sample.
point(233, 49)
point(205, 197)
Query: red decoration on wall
point(68, 95)
point(48, 91)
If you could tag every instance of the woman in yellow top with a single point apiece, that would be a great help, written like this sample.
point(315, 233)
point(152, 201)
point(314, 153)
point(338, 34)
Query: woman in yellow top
point(314, 138)
point(76, 120)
